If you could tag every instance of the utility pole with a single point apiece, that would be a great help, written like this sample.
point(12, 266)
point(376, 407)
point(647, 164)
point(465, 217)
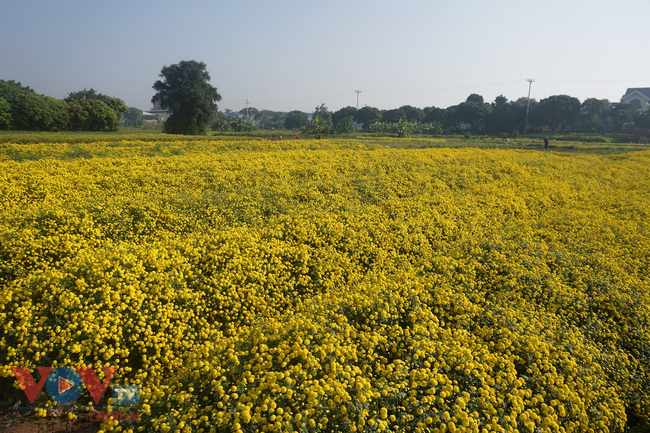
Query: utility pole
point(358, 91)
point(530, 83)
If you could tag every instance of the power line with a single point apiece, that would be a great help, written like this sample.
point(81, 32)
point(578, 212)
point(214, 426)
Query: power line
point(594, 81)
point(304, 100)
point(443, 88)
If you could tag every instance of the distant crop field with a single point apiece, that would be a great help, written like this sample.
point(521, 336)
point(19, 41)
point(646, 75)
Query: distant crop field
point(331, 285)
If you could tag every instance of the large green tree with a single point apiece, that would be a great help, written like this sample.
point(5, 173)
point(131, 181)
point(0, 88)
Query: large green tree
point(413, 114)
point(84, 94)
point(89, 110)
point(296, 119)
point(342, 113)
point(85, 110)
point(556, 113)
point(618, 114)
point(92, 115)
point(499, 120)
point(591, 115)
point(518, 110)
point(475, 97)
point(433, 114)
point(268, 119)
point(31, 111)
point(186, 91)
point(368, 115)
point(249, 114)
point(345, 125)
point(473, 113)
point(5, 115)
point(318, 125)
point(133, 117)
point(642, 119)
point(324, 114)
point(508, 116)
point(394, 115)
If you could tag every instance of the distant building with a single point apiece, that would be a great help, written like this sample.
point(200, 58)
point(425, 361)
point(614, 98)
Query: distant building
point(639, 97)
point(161, 115)
point(148, 117)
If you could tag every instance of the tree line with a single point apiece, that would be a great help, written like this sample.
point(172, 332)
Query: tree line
point(21, 108)
point(185, 91)
point(557, 113)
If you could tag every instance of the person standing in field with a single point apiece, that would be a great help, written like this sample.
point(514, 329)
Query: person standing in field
point(546, 143)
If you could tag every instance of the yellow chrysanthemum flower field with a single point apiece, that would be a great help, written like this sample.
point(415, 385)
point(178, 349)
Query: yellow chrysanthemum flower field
point(333, 285)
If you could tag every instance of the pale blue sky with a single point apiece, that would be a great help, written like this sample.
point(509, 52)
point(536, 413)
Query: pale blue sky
point(293, 55)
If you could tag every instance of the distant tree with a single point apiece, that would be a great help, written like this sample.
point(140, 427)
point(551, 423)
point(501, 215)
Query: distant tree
point(556, 113)
point(240, 125)
point(432, 128)
point(296, 120)
point(324, 114)
point(5, 115)
point(345, 125)
point(33, 112)
point(30, 111)
point(185, 90)
point(13, 91)
point(433, 114)
point(413, 114)
point(393, 116)
point(618, 114)
point(318, 125)
point(591, 117)
point(475, 97)
point(642, 119)
point(472, 114)
point(341, 114)
point(84, 94)
point(499, 102)
point(220, 124)
point(268, 119)
point(367, 116)
point(252, 113)
point(404, 128)
point(58, 117)
point(449, 120)
point(117, 105)
point(498, 121)
point(101, 123)
point(91, 115)
point(133, 117)
point(508, 117)
point(8, 87)
point(517, 112)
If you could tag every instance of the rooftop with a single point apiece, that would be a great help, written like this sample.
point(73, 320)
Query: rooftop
point(643, 90)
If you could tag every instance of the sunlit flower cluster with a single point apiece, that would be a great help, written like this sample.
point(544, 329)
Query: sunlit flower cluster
point(332, 285)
